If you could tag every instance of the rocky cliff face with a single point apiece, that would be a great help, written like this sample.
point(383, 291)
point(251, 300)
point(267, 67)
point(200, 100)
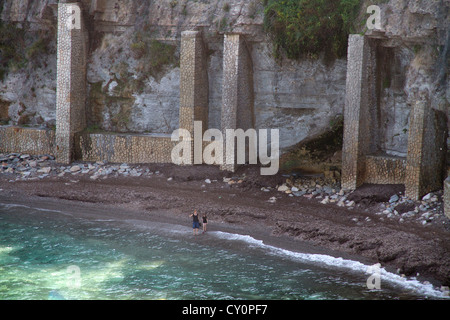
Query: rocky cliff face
point(133, 71)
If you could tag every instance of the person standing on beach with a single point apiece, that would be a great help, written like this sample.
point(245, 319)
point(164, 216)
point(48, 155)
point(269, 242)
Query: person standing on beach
point(195, 222)
point(205, 222)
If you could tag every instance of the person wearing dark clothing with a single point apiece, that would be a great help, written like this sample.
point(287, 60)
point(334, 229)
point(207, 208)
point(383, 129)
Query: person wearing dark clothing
point(205, 222)
point(195, 222)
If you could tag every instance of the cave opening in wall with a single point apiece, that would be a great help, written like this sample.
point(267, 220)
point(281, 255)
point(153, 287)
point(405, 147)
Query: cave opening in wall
point(393, 110)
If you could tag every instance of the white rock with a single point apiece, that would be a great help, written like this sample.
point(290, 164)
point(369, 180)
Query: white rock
point(272, 200)
point(427, 197)
point(283, 188)
point(426, 215)
point(341, 204)
point(394, 198)
point(45, 170)
point(325, 201)
point(207, 181)
point(294, 189)
point(409, 214)
point(75, 169)
point(350, 203)
point(434, 199)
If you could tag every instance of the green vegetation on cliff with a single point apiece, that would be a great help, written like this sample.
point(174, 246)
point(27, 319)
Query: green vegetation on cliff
point(302, 28)
point(11, 48)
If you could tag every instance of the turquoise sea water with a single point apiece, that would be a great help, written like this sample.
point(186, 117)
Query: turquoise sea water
point(47, 254)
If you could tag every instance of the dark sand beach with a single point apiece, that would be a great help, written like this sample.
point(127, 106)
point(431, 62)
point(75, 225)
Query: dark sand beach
point(295, 223)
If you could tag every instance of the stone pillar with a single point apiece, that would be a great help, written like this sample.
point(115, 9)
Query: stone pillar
point(71, 79)
point(237, 92)
point(447, 197)
point(194, 86)
point(425, 162)
point(357, 113)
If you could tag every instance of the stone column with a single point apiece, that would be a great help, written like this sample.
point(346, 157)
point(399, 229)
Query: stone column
point(425, 162)
point(357, 112)
point(71, 79)
point(447, 197)
point(194, 86)
point(237, 92)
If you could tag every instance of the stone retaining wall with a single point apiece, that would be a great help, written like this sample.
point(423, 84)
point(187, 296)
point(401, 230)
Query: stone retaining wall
point(119, 148)
point(27, 140)
point(385, 169)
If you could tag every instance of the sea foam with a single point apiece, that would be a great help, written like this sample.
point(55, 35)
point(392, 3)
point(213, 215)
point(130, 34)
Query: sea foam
point(412, 284)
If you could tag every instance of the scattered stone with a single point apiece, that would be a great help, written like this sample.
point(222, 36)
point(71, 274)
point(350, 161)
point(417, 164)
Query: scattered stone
point(434, 199)
point(283, 188)
point(427, 197)
point(341, 203)
point(75, 169)
point(325, 201)
point(408, 214)
point(299, 193)
point(350, 203)
point(426, 215)
point(207, 181)
point(445, 290)
point(294, 189)
point(328, 190)
point(394, 198)
point(45, 170)
point(272, 200)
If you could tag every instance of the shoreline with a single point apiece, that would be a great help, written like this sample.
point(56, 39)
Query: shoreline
point(278, 245)
point(295, 223)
